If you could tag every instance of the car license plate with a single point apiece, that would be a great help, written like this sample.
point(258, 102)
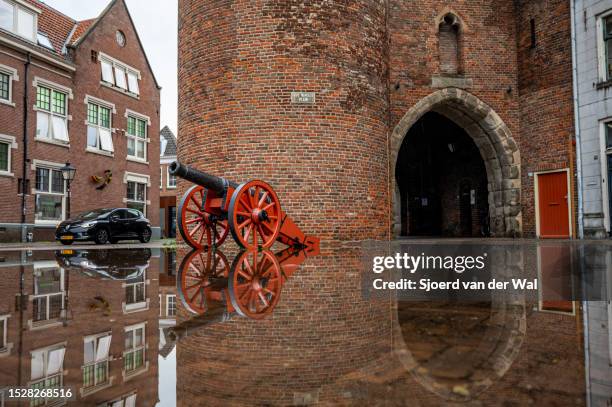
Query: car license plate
point(67, 237)
point(67, 251)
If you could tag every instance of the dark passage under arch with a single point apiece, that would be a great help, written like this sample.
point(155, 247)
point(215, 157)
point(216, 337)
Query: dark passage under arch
point(442, 180)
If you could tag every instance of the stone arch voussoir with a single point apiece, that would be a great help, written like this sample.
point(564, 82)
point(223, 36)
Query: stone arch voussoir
point(493, 138)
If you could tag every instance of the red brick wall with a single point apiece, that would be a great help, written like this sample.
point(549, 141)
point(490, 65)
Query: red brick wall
point(86, 81)
point(11, 124)
point(239, 63)
point(545, 90)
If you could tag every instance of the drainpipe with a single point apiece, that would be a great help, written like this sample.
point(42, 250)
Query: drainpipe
point(584, 303)
point(577, 123)
point(26, 110)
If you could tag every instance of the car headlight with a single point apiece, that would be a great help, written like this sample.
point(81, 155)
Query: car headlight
point(87, 225)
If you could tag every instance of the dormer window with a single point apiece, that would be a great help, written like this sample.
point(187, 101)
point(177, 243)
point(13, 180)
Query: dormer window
point(18, 19)
point(119, 75)
point(44, 41)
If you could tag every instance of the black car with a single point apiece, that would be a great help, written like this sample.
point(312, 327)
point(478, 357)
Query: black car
point(105, 225)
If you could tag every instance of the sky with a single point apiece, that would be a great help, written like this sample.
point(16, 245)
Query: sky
point(156, 22)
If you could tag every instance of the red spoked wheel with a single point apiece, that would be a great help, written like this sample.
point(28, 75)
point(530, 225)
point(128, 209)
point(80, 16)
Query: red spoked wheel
point(198, 228)
point(255, 215)
point(255, 284)
point(196, 278)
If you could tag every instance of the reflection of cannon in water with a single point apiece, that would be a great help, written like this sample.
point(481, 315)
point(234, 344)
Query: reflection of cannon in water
point(115, 264)
point(215, 291)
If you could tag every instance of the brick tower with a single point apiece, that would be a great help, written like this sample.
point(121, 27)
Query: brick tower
point(293, 93)
point(378, 118)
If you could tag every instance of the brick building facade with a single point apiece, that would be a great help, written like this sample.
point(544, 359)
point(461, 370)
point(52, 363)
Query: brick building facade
point(74, 91)
point(495, 73)
point(167, 184)
point(92, 329)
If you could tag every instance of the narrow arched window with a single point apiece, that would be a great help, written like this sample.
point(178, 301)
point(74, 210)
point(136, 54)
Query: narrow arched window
point(449, 51)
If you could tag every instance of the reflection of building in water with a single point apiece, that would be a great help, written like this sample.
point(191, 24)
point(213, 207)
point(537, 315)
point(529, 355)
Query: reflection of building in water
point(598, 331)
point(326, 343)
point(460, 352)
point(93, 328)
point(167, 298)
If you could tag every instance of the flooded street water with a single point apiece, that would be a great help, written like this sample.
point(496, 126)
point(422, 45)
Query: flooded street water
point(164, 327)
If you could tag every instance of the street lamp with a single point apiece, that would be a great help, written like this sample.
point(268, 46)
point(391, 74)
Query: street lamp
point(68, 172)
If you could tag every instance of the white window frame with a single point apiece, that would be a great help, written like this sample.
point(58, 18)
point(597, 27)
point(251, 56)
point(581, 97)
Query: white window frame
point(601, 47)
point(161, 177)
point(168, 177)
point(105, 362)
point(139, 305)
point(135, 200)
point(13, 77)
point(4, 322)
point(145, 141)
point(54, 87)
point(118, 65)
point(123, 400)
point(46, 376)
point(141, 179)
point(168, 298)
point(27, 8)
point(131, 329)
point(107, 105)
point(6, 349)
point(12, 144)
point(46, 265)
point(50, 166)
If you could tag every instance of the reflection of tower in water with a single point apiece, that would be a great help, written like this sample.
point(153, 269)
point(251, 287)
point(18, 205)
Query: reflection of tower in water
point(326, 343)
point(321, 323)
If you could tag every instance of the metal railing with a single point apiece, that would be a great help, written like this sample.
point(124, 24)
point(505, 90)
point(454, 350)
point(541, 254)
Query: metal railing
point(95, 374)
point(134, 359)
point(50, 382)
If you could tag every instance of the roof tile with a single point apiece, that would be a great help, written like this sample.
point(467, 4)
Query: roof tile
point(81, 28)
point(56, 25)
point(170, 142)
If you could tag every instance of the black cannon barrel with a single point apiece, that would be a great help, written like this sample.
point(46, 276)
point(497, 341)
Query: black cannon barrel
point(208, 181)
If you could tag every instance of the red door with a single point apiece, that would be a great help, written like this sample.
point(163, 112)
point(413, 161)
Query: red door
point(553, 205)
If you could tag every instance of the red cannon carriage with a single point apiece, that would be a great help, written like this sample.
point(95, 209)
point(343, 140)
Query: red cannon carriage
point(251, 211)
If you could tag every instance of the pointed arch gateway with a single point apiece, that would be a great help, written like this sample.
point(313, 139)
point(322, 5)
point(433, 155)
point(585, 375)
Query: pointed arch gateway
point(495, 143)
